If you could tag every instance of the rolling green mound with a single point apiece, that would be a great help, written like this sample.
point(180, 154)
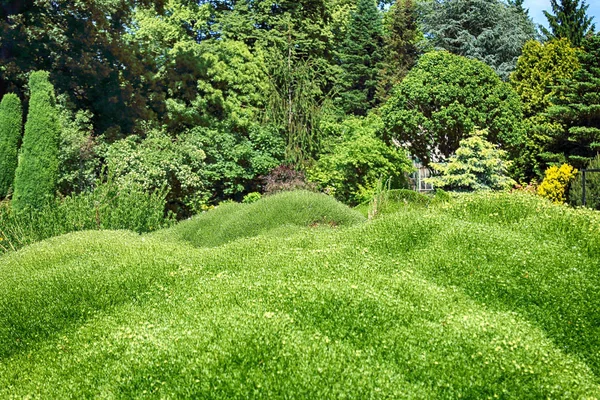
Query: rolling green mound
point(486, 296)
point(285, 211)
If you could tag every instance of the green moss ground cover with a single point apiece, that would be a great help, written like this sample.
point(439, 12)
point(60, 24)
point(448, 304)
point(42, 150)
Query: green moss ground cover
point(485, 296)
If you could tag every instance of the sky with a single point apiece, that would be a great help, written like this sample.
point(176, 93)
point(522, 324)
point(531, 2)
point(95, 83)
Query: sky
point(537, 6)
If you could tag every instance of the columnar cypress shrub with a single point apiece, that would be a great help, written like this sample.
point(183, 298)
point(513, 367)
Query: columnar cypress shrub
point(37, 171)
point(11, 119)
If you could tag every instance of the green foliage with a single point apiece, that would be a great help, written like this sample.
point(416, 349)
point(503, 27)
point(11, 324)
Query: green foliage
point(37, 172)
point(477, 165)
point(568, 20)
point(356, 159)
point(488, 30)
point(471, 299)
point(79, 162)
point(107, 206)
point(251, 197)
point(234, 164)
point(159, 161)
point(87, 53)
point(443, 99)
point(592, 187)
point(361, 55)
point(11, 122)
point(401, 35)
point(556, 183)
point(577, 108)
point(539, 71)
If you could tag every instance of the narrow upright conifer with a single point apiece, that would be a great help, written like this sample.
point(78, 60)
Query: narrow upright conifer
point(11, 120)
point(37, 171)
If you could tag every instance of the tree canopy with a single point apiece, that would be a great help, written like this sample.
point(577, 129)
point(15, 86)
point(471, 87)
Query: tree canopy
point(488, 30)
point(443, 98)
point(568, 20)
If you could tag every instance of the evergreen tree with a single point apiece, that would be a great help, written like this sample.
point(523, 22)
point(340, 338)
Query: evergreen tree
point(539, 72)
point(488, 30)
point(577, 108)
point(569, 20)
point(477, 165)
point(361, 56)
point(400, 47)
point(11, 118)
point(37, 173)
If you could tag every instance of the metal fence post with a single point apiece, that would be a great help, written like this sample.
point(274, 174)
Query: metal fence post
point(583, 186)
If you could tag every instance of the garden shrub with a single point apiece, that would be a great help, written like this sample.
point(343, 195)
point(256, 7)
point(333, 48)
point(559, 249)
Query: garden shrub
point(11, 119)
point(36, 176)
point(356, 159)
point(556, 182)
point(108, 206)
point(592, 187)
point(159, 161)
point(477, 165)
point(284, 178)
point(251, 197)
point(79, 162)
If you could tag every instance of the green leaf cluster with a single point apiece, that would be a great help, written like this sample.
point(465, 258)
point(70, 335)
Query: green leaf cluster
point(568, 20)
point(356, 159)
point(491, 31)
point(540, 70)
point(577, 107)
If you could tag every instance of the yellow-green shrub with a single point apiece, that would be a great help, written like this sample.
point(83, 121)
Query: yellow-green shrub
point(555, 183)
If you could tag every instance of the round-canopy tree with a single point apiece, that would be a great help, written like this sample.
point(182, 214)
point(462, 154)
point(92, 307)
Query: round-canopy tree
point(37, 172)
point(443, 99)
point(11, 118)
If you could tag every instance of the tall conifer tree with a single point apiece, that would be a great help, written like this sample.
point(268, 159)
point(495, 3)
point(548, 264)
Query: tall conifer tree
point(569, 20)
point(577, 107)
point(400, 47)
point(11, 118)
point(37, 173)
point(361, 56)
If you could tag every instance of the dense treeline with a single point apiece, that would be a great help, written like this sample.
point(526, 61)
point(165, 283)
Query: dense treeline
point(207, 97)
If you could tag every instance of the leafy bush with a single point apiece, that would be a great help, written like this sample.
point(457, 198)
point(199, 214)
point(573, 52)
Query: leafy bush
point(11, 119)
point(36, 176)
point(251, 197)
point(284, 178)
point(79, 161)
point(477, 165)
point(108, 206)
point(356, 159)
point(556, 182)
point(235, 162)
point(159, 161)
point(592, 187)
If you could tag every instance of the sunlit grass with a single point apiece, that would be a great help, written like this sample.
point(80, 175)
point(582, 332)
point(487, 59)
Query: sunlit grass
point(485, 296)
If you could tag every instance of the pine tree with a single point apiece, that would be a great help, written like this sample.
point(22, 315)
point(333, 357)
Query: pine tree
point(11, 119)
point(569, 20)
point(577, 108)
point(361, 57)
point(37, 173)
point(400, 47)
